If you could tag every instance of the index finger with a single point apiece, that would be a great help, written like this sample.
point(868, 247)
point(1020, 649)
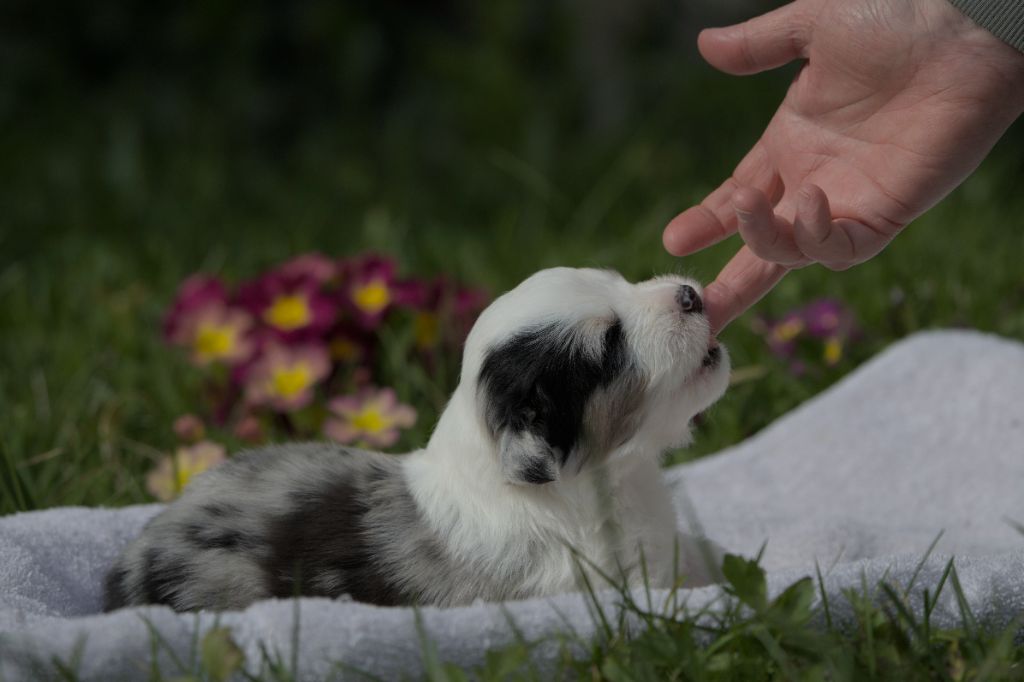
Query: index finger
point(700, 226)
point(741, 283)
point(714, 219)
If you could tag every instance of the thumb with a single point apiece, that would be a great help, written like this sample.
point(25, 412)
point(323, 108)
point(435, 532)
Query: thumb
point(762, 43)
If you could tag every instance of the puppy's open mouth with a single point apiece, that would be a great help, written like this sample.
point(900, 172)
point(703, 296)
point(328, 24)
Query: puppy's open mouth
point(712, 357)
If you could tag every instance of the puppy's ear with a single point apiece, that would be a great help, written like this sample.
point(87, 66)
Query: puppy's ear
point(534, 388)
point(519, 416)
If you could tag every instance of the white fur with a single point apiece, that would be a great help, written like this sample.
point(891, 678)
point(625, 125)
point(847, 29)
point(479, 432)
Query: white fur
point(545, 461)
point(610, 513)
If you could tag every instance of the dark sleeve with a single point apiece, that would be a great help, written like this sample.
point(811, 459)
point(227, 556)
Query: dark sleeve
point(1003, 18)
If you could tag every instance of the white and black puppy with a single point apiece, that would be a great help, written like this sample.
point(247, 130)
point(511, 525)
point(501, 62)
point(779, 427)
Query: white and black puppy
point(572, 385)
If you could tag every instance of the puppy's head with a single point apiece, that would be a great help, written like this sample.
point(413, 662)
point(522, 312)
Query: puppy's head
point(573, 367)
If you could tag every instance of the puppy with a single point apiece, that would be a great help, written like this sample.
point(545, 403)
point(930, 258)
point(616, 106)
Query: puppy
point(543, 464)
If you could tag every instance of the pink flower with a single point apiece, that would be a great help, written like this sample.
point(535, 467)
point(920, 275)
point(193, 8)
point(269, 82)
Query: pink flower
point(426, 330)
point(213, 332)
point(372, 417)
point(283, 378)
point(444, 310)
point(260, 338)
point(173, 473)
point(314, 266)
point(249, 429)
point(369, 289)
point(197, 291)
point(350, 346)
point(465, 306)
point(827, 318)
point(189, 428)
point(416, 293)
point(292, 305)
point(824, 321)
point(782, 335)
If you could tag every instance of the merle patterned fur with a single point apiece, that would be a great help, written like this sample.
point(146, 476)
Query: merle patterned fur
point(323, 520)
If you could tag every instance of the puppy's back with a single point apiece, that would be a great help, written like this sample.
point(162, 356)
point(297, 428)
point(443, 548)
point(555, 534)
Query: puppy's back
point(275, 522)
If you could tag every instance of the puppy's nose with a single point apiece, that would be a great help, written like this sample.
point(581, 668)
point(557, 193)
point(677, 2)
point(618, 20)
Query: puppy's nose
point(688, 300)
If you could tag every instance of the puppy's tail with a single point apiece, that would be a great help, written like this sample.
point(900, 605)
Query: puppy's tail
point(116, 594)
point(126, 582)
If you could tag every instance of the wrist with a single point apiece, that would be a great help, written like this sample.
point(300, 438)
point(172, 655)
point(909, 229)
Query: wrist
point(994, 29)
point(1002, 18)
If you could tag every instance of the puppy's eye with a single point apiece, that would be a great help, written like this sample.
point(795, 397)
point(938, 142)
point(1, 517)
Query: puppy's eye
point(614, 349)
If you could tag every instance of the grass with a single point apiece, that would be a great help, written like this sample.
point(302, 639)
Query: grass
point(883, 631)
point(89, 391)
point(482, 159)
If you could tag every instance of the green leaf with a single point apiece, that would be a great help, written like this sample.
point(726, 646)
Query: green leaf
point(613, 670)
point(502, 664)
point(794, 604)
point(747, 581)
point(723, 662)
point(220, 655)
point(453, 673)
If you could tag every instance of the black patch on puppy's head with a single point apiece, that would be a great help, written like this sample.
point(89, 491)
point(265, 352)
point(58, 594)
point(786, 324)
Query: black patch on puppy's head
point(535, 387)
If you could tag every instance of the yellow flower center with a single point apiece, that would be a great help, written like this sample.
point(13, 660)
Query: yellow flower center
point(288, 382)
point(426, 328)
point(176, 471)
point(183, 474)
point(787, 331)
point(833, 350)
point(288, 312)
point(214, 341)
point(372, 297)
point(344, 349)
point(370, 420)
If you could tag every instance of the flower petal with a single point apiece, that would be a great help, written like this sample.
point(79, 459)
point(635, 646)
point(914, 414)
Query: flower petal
point(339, 430)
point(404, 416)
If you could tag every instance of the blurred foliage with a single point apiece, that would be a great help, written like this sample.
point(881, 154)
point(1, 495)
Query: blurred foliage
point(164, 117)
point(140, 142)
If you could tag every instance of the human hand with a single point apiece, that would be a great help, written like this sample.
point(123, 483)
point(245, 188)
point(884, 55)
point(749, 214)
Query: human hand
point(897, 103)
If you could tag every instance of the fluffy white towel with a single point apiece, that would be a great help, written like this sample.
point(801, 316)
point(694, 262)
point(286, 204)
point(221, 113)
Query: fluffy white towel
point(927, 437)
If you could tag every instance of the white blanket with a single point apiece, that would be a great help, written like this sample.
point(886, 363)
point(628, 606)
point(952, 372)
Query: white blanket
point(927, 437)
